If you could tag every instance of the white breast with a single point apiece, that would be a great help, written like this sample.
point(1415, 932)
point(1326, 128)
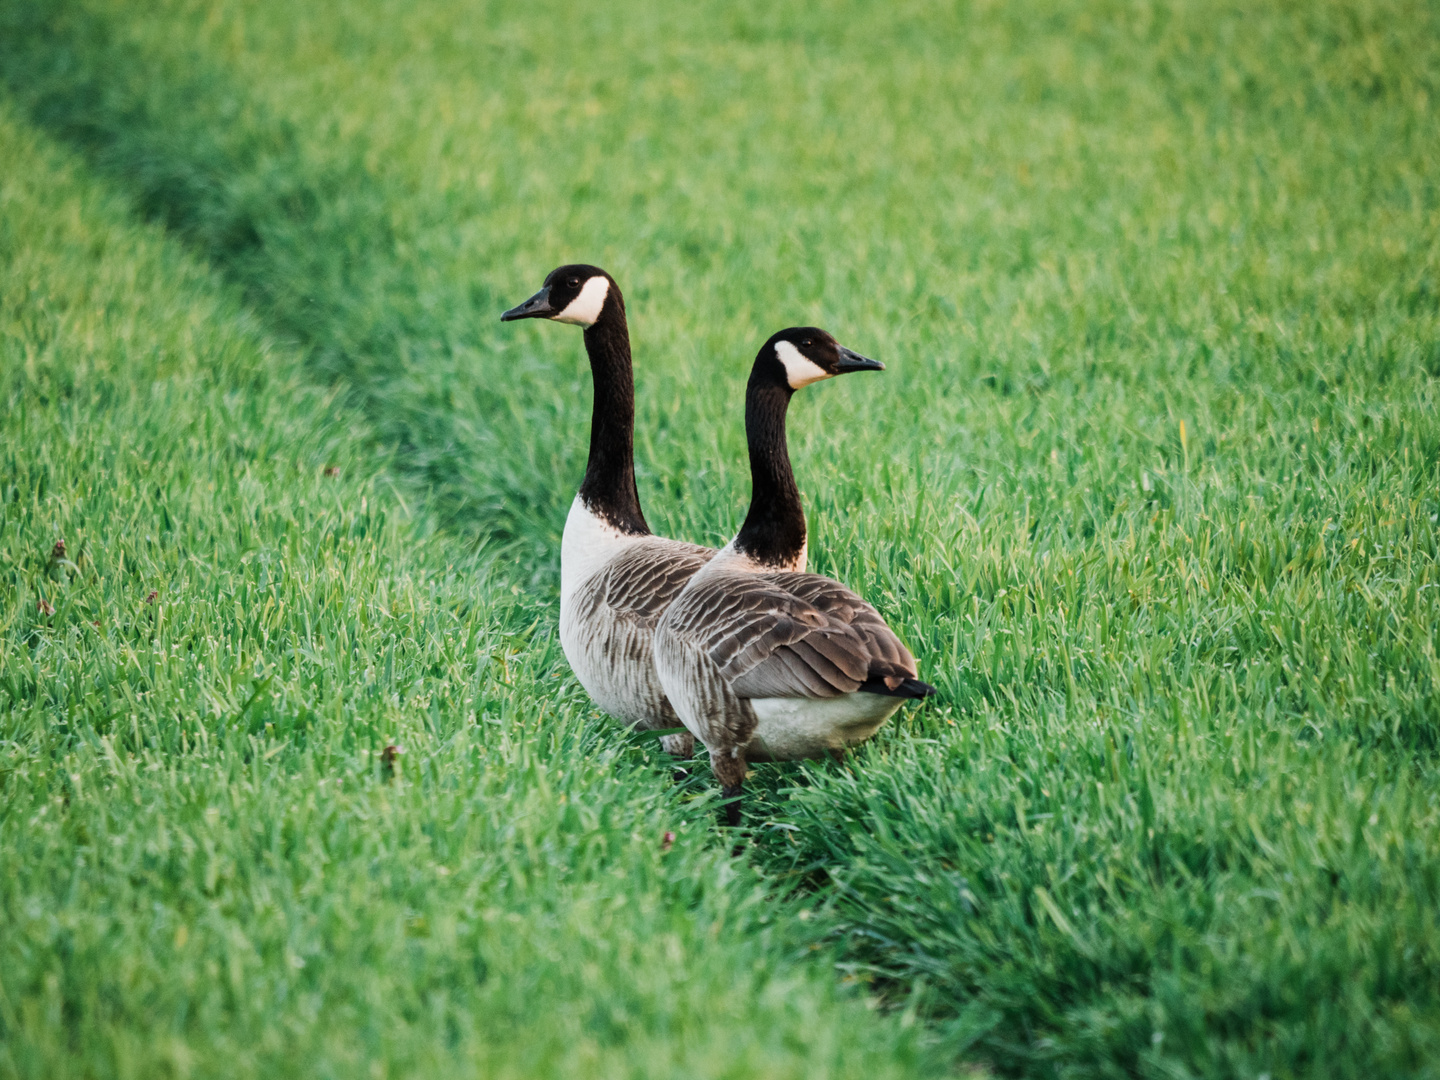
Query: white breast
point(588, 544)
point(612, 659)
point(793, 728)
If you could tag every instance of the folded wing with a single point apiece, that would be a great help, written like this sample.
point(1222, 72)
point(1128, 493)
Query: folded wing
point(791, 635)
point(638, 585)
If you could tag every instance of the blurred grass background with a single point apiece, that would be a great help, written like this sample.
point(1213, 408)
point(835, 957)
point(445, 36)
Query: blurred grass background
point(1151, 486)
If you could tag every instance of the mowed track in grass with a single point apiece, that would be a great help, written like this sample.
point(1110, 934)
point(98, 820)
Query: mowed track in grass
point(209, 867)
point(1150, 485)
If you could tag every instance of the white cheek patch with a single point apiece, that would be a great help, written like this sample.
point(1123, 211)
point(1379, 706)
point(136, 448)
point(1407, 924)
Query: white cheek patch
point(800, 370)
point(585, 308)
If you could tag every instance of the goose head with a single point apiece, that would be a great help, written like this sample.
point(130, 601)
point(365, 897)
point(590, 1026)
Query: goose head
point(802, 355)
point(577, 293)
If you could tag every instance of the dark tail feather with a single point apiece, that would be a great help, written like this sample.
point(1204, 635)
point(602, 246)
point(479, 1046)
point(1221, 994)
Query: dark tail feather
point(907, 688)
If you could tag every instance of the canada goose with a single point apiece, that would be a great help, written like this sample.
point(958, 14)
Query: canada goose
point(762, 661)
point(616, 577)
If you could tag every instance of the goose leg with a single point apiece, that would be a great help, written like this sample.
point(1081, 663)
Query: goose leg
point(732, 807)
point(729, 768)
point(710, 708)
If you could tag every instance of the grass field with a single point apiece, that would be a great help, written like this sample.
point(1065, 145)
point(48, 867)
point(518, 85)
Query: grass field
point(1151, 487)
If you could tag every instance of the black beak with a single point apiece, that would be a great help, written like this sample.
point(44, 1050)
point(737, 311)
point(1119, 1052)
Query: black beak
point(537, 307)
point(853, 361)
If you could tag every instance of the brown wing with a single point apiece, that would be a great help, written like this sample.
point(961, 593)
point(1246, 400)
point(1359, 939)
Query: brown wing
point(790, 635)
point(641, 583)
point(889, 659)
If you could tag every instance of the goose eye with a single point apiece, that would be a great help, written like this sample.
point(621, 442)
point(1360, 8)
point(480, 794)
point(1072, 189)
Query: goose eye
point(807, 343)
point(573, 282)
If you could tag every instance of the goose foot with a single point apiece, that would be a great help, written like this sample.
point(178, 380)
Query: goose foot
point(731, 810)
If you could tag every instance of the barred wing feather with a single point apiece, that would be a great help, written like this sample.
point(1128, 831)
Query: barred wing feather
point(790, 635)
point(638, 585)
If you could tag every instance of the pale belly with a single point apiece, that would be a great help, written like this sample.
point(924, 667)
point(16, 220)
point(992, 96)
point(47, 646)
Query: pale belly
point(612, 653)
point(614, 663)
point(792, 728)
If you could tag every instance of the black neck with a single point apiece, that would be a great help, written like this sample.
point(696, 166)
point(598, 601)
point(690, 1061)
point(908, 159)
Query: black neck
point(774, 529)
point(609, 486)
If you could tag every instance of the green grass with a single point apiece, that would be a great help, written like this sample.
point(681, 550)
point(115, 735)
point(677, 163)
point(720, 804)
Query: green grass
point(206, 866)
point(1151, 487)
